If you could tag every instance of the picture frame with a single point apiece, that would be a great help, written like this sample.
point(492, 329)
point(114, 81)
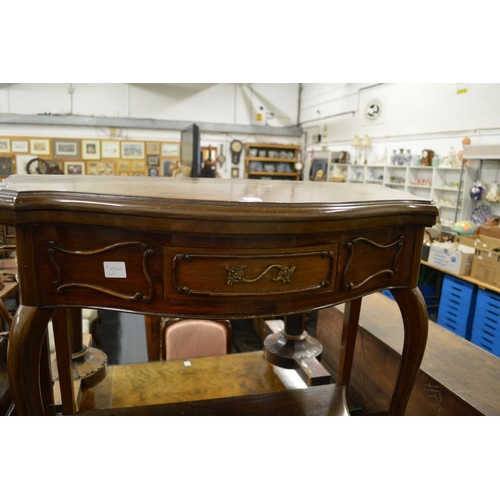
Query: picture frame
point(123, 167)
point(153, 161)
point(100, 168)
point(166, 166)
point(235, 173)
point(132, 150)
point(40, 147)
point(74, 167)
point(22, 161)
point(171, 149)
point(66, 148)
point(91, 149)
point(138, 166)
point(19, 146)
point(6, 166)
point(110, 149)
point(153, 171)
point(4, 145)
point(56, 167)
point(152, 148)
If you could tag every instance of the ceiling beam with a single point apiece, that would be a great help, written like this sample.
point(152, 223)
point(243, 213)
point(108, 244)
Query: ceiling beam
point(146, 123)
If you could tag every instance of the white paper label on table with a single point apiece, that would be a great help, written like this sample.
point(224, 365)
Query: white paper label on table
point(115, 270)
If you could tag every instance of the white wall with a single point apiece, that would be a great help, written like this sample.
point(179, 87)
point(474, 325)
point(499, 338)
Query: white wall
point(227, 103)
point(416, 116)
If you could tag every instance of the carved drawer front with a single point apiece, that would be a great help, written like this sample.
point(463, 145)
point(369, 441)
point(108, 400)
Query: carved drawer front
point(243, 273)
point(118, 270)
point(371, 262)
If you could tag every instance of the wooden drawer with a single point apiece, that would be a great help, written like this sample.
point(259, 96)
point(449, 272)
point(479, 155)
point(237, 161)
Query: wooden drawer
point(242, 273)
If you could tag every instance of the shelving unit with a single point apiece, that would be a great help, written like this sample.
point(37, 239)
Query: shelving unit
point(482, 164)
point(444, 185)
point(271, 161)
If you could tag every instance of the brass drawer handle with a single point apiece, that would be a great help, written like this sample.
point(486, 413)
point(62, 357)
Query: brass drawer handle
point(236, 274)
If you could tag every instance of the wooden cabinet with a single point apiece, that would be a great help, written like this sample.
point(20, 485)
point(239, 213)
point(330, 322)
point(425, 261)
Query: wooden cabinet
point(271, 161)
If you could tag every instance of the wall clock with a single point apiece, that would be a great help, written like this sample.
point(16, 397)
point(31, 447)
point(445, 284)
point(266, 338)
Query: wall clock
point(236, 148)
point(221, 159)
point(427, 155)
point(37, 166)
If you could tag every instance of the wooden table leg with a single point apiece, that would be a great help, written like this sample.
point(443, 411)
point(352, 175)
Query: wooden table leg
point(348, 341)
point(25, 347)
point(63, 338)
point(153, 337)
point(416, 325)
point(75, 361)
point(46, 384)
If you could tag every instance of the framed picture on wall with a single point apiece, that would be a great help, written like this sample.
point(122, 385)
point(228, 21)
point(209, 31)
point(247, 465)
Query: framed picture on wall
point(20, 146)
point(100, 168)
point(4, 145)
point(170, 149)
point(153, 171)
point(66, 148)
point(110, 149)
point(235, 173)
point(40, 147)
point(133, 150)
point(6, 167)
point(55, 167)
point(166, 167)
point(153, 161)
point(22, 161)
point(74, 167)
point(138, 166)
point(153, 148)
point(91, 150)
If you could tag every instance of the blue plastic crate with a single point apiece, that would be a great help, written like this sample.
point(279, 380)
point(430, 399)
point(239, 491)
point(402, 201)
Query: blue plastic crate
point(457, 290)
point(457, 306)
point(387, 293)
point(486, 324)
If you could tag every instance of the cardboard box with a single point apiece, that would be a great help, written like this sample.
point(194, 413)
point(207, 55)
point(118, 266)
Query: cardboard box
point(454, 258)
point(486, 267)
point(486, 260)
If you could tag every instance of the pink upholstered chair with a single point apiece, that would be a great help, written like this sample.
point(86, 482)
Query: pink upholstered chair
point(195, 338)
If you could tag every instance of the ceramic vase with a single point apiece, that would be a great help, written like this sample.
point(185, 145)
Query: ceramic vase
point(408, 157)
point(401, 157)
point(476, 191)
point(394, 157)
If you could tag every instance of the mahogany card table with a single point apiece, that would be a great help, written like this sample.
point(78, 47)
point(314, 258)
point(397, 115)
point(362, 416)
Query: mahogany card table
point(209, 248)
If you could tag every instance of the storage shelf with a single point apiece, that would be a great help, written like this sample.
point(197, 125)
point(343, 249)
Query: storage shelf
point(450, 190)
point(265, 158)
point(264, 145)
point(257, 147)
point(435, 176)
point(274, 174)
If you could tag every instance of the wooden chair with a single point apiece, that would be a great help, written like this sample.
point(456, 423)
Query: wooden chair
point(195, 338)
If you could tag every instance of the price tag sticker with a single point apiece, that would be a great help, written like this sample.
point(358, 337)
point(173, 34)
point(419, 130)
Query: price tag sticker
point(115, 270)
